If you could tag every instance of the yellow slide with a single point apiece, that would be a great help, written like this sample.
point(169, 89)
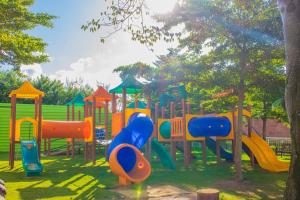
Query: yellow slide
point(264, 155)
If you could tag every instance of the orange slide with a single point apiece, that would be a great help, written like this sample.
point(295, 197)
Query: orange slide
point(68, 129)
point(264, 155)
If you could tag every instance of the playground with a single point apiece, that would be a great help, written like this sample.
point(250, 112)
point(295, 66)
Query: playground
point(149, 99)
point(86, 153)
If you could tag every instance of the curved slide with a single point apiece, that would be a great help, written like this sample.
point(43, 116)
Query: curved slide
point(30, 159)
point(211, 144)
point(264, 155)
point(124, 155)
point(163, 154)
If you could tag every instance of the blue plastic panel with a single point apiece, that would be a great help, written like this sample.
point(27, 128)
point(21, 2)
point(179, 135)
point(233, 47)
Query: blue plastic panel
point(209, 126)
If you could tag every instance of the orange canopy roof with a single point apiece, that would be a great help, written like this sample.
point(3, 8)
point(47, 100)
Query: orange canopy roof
point(100, 94)
point(26, 91)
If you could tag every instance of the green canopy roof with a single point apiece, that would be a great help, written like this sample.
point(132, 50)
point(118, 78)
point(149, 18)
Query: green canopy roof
point(78, 100)
point(132, 86)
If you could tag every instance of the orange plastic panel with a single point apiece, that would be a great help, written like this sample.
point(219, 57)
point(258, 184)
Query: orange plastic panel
point(140, 171)
point(176, 127)
point(116, 123)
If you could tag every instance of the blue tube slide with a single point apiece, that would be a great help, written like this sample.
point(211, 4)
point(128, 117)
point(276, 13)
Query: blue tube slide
point(137, 133)
point(209, 126)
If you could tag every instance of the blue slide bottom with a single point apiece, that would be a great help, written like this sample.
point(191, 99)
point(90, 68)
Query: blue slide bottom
point(30, 158)
point(211, 144)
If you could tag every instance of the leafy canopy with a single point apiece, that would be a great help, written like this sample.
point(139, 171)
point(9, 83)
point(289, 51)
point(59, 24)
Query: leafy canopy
point(17, 47)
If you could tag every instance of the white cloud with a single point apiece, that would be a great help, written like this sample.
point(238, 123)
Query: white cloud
point(32, 71)
point(116, 51)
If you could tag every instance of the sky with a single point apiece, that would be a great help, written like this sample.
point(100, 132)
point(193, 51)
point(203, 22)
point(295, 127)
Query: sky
point(77, 54)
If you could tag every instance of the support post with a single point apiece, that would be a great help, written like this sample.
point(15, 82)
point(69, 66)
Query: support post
point(123, 107)
point(39, 134)
point(156, 116)
point(73, 140)
point(68, 112)
point(94, 129)
point(13, 131)
point(148, 144)
point(114, 103)
point(49, 146)
point(86, 108)
point(163, 112)
point(45, 146)
point(218, 151)
point(106, 125)
point(99, 115)
point(185, 142)
point(36, 108)
point(73, 112)
point(189, 143)
point(234, 132)
point(136, 101)
point(203, 146)
point(173, 144)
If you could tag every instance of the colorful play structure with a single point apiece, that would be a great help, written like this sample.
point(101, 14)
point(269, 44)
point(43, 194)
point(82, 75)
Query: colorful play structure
point(135, 128)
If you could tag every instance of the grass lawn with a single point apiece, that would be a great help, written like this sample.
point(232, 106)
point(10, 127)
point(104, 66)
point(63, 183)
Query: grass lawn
point(64, 178)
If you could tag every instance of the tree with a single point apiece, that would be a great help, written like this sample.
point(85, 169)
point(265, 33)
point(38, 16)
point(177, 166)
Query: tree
point(238, 35)
point(54, 90)
point(9, 80)
point(268, 87)
point(16, 46)
point(58, 93)
point(290, 12)
point(138, 70)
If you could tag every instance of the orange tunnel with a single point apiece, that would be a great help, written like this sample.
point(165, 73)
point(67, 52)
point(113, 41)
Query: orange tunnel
point(67, 129)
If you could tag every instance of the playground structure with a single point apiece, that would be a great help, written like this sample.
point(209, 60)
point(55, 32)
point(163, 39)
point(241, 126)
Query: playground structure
point(133, 127)
point(44, 129)
point(210, 130)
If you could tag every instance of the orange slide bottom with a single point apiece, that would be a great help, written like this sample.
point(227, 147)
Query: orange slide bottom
point(133, 167)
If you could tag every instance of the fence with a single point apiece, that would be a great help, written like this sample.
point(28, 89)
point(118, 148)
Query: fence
point(281, 146)
point(50, 112)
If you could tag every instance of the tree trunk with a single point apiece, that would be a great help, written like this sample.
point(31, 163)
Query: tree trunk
point(290, 12)
point(238, 135)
